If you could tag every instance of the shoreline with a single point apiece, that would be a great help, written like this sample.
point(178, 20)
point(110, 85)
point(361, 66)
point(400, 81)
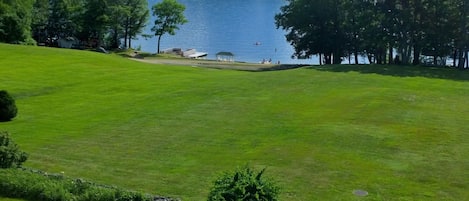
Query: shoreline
point(242, 66)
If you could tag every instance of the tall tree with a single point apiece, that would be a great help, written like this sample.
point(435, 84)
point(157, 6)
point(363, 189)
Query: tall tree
point(118, 13)
point(60, 22)
point(40, 19)
point(136, 20)
point(462, 39)
point(169, 15)
point(439, 28)
point(95, 21)
point(15, 21)
point(314, 27)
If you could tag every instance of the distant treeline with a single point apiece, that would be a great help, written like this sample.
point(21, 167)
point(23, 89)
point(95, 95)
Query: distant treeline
point(109, 23)
point(418, 30)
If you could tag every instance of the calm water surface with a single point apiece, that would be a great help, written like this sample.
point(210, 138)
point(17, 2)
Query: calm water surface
point(244, 27)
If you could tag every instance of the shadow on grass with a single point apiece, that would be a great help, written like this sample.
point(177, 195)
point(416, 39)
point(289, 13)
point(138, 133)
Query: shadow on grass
point(399, 71)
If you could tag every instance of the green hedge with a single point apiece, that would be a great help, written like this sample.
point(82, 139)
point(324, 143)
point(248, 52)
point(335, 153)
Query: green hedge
point(40, 186)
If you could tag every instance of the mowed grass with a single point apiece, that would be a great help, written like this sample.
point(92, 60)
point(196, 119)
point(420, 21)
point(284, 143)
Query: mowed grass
point(399, 133)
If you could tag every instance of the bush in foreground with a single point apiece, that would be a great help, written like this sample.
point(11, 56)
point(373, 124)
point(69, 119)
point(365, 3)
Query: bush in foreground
point(40, 186)
point(10, 154)
point(243, 185)
point(8, 108)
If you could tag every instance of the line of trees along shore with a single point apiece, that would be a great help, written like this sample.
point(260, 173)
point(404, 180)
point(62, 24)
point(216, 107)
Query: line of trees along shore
point(377, 29)
point(95, 22)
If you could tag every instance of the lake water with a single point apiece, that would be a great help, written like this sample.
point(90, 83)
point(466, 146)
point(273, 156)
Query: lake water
point(244, 27)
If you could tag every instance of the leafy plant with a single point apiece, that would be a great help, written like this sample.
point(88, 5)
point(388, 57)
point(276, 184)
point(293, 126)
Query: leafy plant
point(243, 185)
point(10, 154)
point(8, 108)
point(37, 185)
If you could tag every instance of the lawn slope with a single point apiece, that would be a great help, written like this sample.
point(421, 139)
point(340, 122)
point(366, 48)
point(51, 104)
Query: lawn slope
point(400, 133)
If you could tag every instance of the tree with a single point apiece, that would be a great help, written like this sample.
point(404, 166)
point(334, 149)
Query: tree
point(314, 27)
point(169, 14)
point(128, 18)
point(95, 20)
point(243, 185)
point(15, 21)
point(40, 19)
point(136, 21)
point(10, 155)
point(8, 108)
point(59, 23)
point(462, 39)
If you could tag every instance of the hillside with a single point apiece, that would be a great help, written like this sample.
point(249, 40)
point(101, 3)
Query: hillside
point(400, 133)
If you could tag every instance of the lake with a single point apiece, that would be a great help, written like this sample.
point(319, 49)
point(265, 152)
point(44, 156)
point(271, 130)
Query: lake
point(244, 27)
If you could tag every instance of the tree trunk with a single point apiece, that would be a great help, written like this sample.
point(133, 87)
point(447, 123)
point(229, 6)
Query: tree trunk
point(454, 58)
point(336, 59)
point(115, 39)
point(391, 55)
point(356, 57)
point(461, 59)
point(159, 39)
point(126, 34)
point(416, 60)
point(328, 58)
point(320, 59)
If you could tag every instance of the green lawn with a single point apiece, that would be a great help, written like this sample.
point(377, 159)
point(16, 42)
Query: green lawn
point(9, 199)
point(400, 133)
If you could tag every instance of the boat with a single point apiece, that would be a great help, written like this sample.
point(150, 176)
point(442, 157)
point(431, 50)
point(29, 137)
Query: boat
point(193, 54)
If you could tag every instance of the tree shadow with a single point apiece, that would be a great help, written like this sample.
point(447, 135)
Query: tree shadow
point(399, 71)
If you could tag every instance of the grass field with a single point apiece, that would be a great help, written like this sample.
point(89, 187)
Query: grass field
point(400, 133)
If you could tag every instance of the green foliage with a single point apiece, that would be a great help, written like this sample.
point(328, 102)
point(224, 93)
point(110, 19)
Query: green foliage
point(8, 108)
point(10, 155)
point(169, 14)
point(244, 184)
point(41, 186)
point(15, 20)
point(376, 28)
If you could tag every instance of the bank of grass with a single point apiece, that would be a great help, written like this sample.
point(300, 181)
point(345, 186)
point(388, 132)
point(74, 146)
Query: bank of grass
point(399, 133)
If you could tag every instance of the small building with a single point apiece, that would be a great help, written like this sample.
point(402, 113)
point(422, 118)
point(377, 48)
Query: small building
point(225, 56)
point(68, 42)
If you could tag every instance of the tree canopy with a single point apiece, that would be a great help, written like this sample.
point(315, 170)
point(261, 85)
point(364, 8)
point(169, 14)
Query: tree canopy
point(377, 29)
point(94, 22)
point(15, 21)
point(169, 15)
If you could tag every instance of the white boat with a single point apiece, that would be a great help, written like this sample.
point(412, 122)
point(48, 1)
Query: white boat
point(193, 54)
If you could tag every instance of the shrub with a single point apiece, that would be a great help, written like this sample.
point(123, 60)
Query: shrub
point(10, 154)
point(8, 108)
point(243, 185)
point(41, 186)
